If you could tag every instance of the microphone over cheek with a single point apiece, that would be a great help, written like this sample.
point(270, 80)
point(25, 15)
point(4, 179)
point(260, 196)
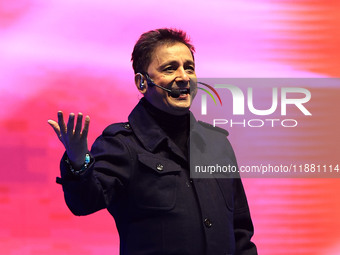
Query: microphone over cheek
point(175, 93)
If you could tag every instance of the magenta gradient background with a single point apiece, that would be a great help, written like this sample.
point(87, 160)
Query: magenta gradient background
point(75, 56)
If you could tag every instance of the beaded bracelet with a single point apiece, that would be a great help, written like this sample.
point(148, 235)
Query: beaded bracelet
point(84, 167)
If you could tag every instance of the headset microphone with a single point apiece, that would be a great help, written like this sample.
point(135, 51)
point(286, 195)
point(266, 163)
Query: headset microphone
point(175, 93)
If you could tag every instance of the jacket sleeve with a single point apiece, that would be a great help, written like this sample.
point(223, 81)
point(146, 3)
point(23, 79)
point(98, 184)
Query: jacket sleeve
point(243, 226)
point(103, 182)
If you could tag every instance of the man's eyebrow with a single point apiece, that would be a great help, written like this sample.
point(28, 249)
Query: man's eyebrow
point(174, 62)
point(190, 62)
point(171, 62)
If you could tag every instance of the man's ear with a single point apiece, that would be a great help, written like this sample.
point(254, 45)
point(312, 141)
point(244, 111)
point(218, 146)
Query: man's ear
point(141, 83)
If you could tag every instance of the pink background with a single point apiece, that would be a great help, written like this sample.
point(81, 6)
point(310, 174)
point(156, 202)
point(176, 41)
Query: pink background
point(75, 56)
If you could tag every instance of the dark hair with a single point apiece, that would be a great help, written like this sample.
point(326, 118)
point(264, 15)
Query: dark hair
point(147, 43)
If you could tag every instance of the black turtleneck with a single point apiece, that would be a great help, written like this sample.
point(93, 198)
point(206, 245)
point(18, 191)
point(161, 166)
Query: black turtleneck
point(176, 127)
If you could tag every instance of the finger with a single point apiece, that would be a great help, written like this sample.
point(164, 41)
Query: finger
point(78, 124)
point(61, 122)
point(86, 127)
point(70, 124)
point(55, 127)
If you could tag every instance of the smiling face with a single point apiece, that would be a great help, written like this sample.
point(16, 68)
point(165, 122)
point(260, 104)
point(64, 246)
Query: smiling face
point(172, 67)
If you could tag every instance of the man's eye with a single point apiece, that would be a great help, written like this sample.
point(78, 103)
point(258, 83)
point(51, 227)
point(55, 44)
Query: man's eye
point(190, 68)
point(169, 69)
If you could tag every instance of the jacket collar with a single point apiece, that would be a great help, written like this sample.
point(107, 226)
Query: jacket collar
point(151, 135)
point(198, 137)
point(145, 127)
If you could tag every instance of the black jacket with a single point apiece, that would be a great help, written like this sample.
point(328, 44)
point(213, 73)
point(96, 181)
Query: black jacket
point(143, 180)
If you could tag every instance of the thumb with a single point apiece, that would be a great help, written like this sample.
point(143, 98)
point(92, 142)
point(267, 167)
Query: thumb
point(55, 127)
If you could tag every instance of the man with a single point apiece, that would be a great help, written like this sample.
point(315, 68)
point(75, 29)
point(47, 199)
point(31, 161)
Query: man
point(139, 170)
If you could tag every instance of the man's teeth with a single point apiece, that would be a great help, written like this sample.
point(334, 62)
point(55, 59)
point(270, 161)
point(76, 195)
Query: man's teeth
point(184, 91)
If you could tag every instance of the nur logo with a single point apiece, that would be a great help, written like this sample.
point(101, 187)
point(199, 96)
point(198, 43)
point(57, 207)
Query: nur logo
point(204, 97)
point(239, 100)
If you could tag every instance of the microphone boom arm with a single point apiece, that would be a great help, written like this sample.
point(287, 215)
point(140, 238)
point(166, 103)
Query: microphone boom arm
point(175, 93)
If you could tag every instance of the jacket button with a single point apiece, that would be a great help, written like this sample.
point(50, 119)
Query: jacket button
point(159, 167)
point(207, 223)
point(127, 126)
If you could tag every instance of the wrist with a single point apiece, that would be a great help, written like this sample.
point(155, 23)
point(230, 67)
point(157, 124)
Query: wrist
point(77, 169)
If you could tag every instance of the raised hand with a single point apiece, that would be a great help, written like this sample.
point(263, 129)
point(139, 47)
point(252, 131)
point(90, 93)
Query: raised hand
point(73, 138)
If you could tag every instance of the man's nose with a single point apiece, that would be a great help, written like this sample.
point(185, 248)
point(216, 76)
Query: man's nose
point(182, 75)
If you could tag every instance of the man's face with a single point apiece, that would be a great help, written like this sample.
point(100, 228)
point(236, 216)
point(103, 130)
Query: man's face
point(172, 67)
